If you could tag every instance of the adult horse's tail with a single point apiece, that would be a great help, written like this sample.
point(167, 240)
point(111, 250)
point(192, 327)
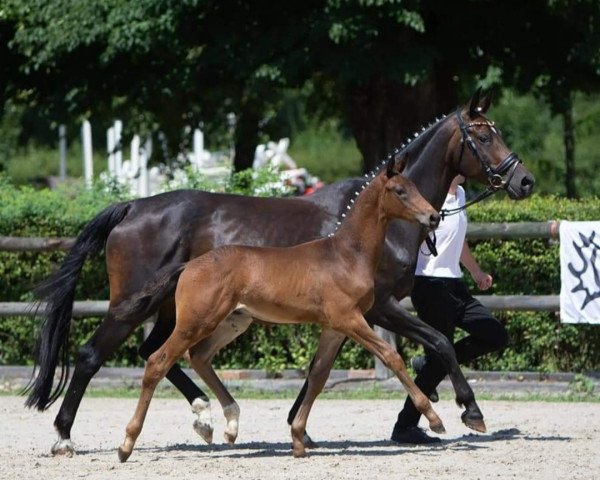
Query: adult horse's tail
point(58, 292)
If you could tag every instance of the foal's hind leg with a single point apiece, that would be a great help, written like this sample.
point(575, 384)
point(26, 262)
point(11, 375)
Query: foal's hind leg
point(163, 327)
point(357, 328)
point(201, 356)
point(329, 343)
point(157, 367)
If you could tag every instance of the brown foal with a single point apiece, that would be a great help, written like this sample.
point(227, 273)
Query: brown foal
point(329, 281)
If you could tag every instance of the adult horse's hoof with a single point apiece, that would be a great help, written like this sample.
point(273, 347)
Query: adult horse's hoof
point(63, 446)
point(123, 454)
point(474, 422)
point(309, 443)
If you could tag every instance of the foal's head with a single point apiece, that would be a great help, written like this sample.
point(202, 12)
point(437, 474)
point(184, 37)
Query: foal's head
point(401, 199)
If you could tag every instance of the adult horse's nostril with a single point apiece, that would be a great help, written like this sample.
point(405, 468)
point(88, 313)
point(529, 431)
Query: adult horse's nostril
point(527, 181)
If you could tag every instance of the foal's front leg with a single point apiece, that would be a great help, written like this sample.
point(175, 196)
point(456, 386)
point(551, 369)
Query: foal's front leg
point(329, 343)
point(358, 329)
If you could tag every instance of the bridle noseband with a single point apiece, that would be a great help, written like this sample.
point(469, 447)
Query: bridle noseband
point(499, 177)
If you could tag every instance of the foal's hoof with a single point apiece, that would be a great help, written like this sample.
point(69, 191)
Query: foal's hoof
point(123, 454)
point(299, 452)
point(63, 447)
point(437, 427)
point(230, 438)
point(474, 423)
point(309, 443)
point(204, 430)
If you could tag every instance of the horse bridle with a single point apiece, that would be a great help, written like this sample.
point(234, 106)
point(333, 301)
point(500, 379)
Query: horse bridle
point(498, 177)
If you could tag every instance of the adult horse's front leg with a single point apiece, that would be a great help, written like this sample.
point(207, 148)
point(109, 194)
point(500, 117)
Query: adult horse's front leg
point(395, 318)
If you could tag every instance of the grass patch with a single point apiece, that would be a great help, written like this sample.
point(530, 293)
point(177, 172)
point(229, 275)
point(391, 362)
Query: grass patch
point(374, 392)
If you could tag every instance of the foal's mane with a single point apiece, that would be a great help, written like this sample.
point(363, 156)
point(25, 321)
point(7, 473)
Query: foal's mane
point(412, 144)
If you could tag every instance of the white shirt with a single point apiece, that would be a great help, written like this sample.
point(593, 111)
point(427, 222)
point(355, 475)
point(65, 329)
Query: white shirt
point(450, 237)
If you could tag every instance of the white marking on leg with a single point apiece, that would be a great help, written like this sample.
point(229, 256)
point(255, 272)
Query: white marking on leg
point(63, 446)
point(232, 415)
point(203, 424)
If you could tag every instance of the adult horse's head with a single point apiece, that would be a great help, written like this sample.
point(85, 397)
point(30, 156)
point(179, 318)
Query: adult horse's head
point(481, 153)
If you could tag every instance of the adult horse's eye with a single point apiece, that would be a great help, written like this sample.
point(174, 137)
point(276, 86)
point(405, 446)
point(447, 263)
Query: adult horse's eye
point(484, 138)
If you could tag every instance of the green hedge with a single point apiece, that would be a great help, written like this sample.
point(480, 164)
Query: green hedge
point(538, 340)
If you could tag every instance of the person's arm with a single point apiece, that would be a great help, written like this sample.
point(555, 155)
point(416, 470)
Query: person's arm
point(482, 279)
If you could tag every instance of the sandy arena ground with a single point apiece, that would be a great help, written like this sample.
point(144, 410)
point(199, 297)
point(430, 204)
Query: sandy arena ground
point(526, 440)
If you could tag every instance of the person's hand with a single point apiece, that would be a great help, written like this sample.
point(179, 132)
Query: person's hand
point(483, 279)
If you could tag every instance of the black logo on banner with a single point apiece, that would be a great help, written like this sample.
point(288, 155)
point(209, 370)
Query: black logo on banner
point(588, 253)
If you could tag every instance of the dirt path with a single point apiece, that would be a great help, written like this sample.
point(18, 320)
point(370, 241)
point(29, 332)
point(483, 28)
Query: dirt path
point(527, 440)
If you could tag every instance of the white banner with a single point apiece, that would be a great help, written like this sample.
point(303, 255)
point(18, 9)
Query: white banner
point(580, 272)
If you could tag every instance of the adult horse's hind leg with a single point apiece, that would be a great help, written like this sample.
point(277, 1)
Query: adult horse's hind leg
point(329, 343)
point(109, 335)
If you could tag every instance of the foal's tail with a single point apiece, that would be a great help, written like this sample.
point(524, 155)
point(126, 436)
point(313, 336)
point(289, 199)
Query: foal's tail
point(154, 292)
point(58, 292)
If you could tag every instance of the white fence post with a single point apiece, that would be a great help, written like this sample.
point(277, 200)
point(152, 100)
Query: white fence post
point(62, 152)
point(198, 147)
point(381, 371)
point(86, 140)
point(110, 147)
point(144, 155)
point(118, 126)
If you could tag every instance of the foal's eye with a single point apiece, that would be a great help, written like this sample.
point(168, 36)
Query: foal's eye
point(401, 191)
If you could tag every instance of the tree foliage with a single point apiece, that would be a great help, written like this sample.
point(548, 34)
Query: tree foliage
point(382, 66)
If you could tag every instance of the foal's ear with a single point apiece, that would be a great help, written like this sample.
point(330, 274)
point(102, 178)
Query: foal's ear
point(396, 164)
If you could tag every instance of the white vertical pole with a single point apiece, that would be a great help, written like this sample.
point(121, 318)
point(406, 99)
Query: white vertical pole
point(198, 147)
point(381, 371)
point(119, 147)
point(110, 147)
point(135, 154)
point(62, 152)
point(86, 140)
point(143, 178)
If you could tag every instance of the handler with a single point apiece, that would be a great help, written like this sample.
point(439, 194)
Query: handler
point(441, 299)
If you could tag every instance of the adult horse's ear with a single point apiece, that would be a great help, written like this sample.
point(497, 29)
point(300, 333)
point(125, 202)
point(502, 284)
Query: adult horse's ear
point(485, 102)
point(474, 104)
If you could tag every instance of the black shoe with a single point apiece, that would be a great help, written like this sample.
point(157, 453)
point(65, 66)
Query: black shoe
point(413, 436)
point(418, 363)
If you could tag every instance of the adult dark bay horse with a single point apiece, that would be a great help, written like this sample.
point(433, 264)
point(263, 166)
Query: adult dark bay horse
point(143, 237)
point(329, 281)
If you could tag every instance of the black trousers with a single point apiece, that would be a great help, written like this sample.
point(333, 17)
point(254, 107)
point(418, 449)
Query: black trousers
point(445, 304)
